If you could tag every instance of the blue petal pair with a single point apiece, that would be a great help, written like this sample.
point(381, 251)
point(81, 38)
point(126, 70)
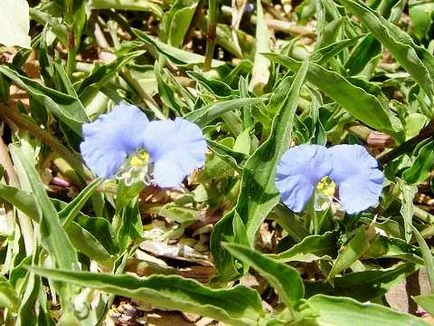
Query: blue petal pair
point(175, 148)
point(350, 167)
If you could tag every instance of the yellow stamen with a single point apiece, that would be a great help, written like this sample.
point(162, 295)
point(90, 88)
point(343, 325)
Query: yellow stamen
point(139, 159)
point(326, 186)
point(136, 162)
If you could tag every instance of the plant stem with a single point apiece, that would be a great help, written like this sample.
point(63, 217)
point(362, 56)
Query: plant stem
point(211, 34)
point(129, 78)
point(408, 146)
point(72, 53)
point(279, 25)
point(373, 139)
point(288, 221)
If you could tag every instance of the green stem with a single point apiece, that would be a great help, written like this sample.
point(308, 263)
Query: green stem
point(296, 230)
point(423, 215)
point(149, 101)
point(72, 53)
point(211, 34)
point(408, 146)
point(289, 222)
point(118, 270)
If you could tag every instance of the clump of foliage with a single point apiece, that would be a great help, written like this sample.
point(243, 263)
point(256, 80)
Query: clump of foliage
point(171, 151)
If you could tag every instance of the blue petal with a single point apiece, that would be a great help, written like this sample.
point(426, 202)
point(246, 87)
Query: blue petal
point(111, 138)
point(298, 173)
point(356, 174)
point(176, 148)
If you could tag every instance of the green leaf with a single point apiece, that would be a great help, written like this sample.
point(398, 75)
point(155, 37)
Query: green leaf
point(30, 292)
point(323, 55)
point(63, 83)
point(261, 65)
point(173, 212)
point(283, 278)
point(70, 211)
point(240, 231)
point(236, 306)
point(426, 302)
point(66, 108)
point(214, 86)
point(328, 30)
point(8, 297)
point(422, 166)
point(103, 74)
point(368, 108)
point(178, 20)
point(176, 55)
point(86, 243)
point(51, 234)
point(15, 23)
point(101, 230)
point(128, 226)
point(362, 286)
point(21, 199)
point(133, 5)
point(421, 14)
point(339, 311)
point(53, 237)
point(427, 256)
point(53, 23)
point(258, 194)
point(389, 247)
point(416, 60)
point(407, 207)
point(352, 251)
point(368, 49)
point(231, 157)
point(311, 248)
point(207, 114)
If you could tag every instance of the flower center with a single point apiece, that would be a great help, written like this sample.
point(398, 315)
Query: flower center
point(135, 169)
point(326, 187)
point(325, 190)
point(139, 159)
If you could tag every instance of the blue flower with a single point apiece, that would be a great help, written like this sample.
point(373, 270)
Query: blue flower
point(175, 148)
point(356, 174)
point(353, 170)
point(111, 138)
point(299, 171)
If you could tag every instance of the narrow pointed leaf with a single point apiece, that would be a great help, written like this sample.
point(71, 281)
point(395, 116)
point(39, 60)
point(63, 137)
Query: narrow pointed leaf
point(363, 286)
point(338, 311)
point(284, 278)
point(8, 297)
point(53, 236)
point(261, 65)
point(311, 248)
point(176, 55)
point(208, 114)
point(236, 306)
point(352, 251)
point(70, 211)
point(21, 199)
